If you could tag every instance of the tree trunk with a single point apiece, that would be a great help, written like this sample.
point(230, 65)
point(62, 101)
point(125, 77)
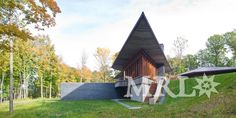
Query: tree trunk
point(11, 77)
point(24, 80)
point(41, 87)
point(2, 85)
point(27, 89)
point(81, 74)
point(20, 87)
point(104, 75)
point(50, 89)
point(26, 85)
point(46, 92)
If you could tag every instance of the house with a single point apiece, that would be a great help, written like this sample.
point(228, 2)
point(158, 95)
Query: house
point(141, 58)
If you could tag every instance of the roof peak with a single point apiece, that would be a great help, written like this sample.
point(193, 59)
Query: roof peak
point(141, 37)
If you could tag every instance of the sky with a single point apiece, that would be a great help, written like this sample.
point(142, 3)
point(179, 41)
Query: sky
point(85, 25)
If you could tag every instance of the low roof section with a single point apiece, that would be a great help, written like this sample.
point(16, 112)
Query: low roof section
point(208, 71)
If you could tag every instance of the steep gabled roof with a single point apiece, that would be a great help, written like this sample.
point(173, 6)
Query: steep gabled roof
point(141, 37)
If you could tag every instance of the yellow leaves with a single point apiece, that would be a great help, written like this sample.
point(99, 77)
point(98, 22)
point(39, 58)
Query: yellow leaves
point(103, 58)
point(103, 51)
point(86, 73)
point(67, 74)
point(13, 30)
point(114, 56)
point(53, 6)
point(38, 12)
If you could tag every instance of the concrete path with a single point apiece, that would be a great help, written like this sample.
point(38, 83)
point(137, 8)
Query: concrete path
point(125, 105)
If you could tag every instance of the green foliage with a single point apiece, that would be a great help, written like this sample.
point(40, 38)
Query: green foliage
point(230, 38)
point(216, 50)
point(203, 58)
point(190, 62)
point(15, 15)
point(177, 65)
point(215, 53)
point(213, 56)
point(34, 59)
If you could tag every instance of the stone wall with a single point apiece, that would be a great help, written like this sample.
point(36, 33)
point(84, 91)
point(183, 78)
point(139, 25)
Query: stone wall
point(86, 91)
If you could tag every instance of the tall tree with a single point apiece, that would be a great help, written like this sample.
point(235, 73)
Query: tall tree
point(190, 62)
point(216, 50)
point(15, 15)
point(83, 68)
point(180, 45)
point(103, 58)
point(230, 38)
point(4, 62)
point(23, 64)
point(203, 58)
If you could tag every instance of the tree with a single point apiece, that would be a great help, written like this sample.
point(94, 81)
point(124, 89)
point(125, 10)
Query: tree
point(15, 15)
point(114, 71)
point(190, 62)
point(215, 53)
point(45, 64)
point(83, 69)
point(23, 59)
point(35, 60)
point(103, 58)
point(216, 50)
point(230, 38)
point(180, 45)
point(176, 64)
point(203, 58)
point(4, 62)
point(87, 74)
point(1, 85)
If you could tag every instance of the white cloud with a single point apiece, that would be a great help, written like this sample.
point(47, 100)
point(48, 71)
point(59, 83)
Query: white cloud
point(195, 20)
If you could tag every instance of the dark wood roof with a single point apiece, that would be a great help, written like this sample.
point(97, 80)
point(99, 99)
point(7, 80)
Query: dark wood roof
point(209, 71)
point(141, 37)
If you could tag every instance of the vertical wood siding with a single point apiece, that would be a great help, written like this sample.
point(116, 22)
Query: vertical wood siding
point(141, 65)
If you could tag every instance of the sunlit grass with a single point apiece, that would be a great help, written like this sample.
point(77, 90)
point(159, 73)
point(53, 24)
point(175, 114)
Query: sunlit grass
point(222, 104)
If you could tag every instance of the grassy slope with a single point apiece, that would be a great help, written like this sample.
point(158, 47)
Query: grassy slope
point(220, 105)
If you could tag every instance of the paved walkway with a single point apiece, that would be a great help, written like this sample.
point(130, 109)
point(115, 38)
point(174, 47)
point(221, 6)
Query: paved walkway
point(125, 105)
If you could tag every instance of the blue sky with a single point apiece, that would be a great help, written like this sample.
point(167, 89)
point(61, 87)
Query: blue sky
point(93, 13)
point(85, 25)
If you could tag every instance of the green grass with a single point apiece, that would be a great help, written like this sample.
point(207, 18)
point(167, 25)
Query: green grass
point(219, 105)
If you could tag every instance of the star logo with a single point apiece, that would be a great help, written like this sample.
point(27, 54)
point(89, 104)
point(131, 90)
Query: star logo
point(206, 85)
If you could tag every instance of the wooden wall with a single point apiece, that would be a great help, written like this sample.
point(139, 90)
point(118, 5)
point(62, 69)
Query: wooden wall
point(140, 65)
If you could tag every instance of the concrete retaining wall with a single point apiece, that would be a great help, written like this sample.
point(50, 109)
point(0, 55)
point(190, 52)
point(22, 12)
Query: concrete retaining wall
point(86, 91)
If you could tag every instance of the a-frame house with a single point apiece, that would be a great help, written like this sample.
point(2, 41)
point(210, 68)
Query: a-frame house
point(141, 57)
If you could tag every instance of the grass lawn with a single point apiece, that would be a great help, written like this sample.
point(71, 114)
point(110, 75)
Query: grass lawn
point(219, 105)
